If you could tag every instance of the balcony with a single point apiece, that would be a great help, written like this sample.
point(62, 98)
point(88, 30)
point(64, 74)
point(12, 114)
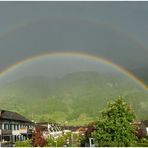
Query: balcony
point(25, 131)
point(6, 132)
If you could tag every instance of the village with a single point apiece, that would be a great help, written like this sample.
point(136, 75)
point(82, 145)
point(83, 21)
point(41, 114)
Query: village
point(16, 129)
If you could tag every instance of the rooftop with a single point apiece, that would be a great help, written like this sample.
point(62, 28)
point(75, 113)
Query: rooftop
point(145, 122)
point(9, 115)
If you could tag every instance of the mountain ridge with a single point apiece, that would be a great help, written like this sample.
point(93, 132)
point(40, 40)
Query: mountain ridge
point(58, 99)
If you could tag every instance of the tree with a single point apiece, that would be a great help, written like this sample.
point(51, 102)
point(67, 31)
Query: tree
point(38, 139)
point(115, 126)
point(58, 142)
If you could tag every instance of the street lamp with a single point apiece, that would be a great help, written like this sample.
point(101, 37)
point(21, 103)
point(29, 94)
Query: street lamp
point(55, 142)
point(72, 139)
point(67, 141)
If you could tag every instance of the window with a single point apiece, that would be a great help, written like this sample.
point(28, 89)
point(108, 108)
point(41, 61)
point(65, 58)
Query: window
point(10, 126)
point(17, 127)
point(147, 131)
point(2, 125)
point(6, 126)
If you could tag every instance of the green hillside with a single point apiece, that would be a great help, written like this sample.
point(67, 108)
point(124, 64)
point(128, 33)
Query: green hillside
point(76, 97)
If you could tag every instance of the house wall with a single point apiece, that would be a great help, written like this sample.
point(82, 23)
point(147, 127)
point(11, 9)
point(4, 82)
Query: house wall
point(143, 127)
point(146, 131)
point(11, 131)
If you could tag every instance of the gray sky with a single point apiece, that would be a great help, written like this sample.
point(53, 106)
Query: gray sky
point(117, 31)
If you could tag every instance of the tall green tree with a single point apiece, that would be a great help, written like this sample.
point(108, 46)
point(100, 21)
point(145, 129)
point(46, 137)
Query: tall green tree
point(115, 126)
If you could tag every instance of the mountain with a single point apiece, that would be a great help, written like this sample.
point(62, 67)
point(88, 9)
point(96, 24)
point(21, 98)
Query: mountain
point(76, 97)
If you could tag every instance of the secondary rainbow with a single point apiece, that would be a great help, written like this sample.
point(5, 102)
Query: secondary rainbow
point(80, 54)
point(21, 24)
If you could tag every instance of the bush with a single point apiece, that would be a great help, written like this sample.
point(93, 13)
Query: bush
point(62, 140)
point(27, 143)
point(58, 142)
point(143, 142)
point(51, 143)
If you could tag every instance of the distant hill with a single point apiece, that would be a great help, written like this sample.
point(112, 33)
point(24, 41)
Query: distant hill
point(77, 97)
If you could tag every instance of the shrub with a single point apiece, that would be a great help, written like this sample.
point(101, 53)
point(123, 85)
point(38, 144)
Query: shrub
point(26, 143)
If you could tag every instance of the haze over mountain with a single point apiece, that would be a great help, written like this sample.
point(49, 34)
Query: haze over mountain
point(68, 88)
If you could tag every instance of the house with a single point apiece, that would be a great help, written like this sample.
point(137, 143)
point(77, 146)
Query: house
point(45, 130)
point(144, 127)
point(141, 128)
point(13, 127)
point(72, 128)
point(50, 129)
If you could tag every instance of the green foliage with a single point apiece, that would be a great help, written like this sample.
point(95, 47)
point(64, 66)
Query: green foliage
point(76, 140)
point(51, 142)
point(143, 142)
point(114, 127)
point(141, 145)
point(75, 97)
point(58, 142)
point(27, 143)
point(68, 139)
point(45, 118)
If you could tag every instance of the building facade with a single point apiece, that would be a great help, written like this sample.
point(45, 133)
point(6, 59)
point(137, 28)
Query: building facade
point(50, 129)
point(45, 130)
point(13, 127)
point(144, 127)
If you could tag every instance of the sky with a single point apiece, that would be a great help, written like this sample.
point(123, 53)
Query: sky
point(116, 31)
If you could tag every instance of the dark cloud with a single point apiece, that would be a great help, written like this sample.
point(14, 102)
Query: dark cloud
point(114, 30)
